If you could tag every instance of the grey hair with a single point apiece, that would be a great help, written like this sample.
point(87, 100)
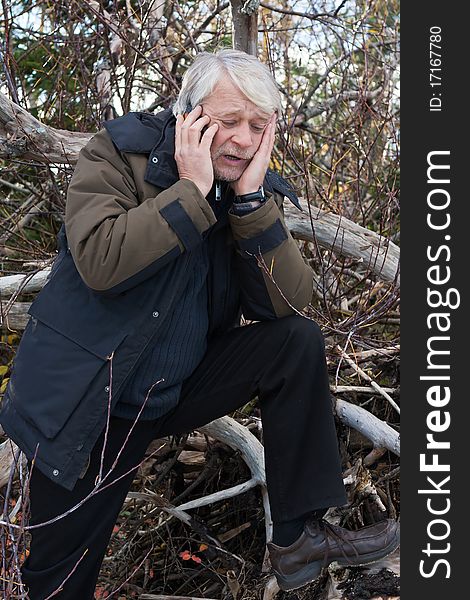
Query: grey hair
point(251, 76)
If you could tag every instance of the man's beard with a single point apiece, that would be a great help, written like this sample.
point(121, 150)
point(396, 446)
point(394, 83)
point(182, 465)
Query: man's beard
point(227, 173)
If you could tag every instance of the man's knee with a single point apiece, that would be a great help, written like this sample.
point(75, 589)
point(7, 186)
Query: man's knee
point(302, 329)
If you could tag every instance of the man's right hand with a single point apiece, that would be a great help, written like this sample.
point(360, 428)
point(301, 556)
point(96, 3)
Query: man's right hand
point(192, 152)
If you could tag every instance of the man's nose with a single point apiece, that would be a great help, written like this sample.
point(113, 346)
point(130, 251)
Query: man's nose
point(242, 136)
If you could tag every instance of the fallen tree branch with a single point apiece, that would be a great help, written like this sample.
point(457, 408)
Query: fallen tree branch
point(346, 238)
point(341, 389)
point(378, 353)
point(222, 495)
point(8, 450)
point(162, 505)
point(364, 375)
point(271, 589)
point(26, 284)
point(23, 136)
point(15, 317)
point(377, 431)
point(238, 437)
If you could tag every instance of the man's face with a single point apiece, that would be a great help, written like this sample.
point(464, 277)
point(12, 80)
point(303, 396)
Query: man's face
point(241, 126)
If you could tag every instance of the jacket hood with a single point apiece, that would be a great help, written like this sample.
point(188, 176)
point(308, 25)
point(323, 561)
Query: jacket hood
point(145, 133)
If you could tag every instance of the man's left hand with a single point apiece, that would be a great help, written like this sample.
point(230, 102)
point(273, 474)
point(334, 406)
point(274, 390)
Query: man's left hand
point(253, 176)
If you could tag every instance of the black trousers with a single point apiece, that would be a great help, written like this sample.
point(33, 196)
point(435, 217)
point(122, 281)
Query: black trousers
point(283, 362)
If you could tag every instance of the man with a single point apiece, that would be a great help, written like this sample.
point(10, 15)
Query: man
point(174, 227)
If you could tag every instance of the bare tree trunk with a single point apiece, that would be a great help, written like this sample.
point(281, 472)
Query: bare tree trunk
point(245, 26)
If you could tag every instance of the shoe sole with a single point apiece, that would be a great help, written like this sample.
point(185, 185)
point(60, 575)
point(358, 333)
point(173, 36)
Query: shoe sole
point(297, 580)
point(367, 559)
point(312, 571)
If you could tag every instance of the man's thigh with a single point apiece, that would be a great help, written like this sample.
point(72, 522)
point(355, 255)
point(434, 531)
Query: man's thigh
point(229, 374)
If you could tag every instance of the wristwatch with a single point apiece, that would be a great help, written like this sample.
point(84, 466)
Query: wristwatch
point(246, 203)
point(257, 196)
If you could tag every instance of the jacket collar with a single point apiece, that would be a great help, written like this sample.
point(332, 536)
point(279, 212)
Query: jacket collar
point(145, 133)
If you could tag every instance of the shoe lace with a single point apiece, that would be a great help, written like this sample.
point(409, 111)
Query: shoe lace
point(330, 531)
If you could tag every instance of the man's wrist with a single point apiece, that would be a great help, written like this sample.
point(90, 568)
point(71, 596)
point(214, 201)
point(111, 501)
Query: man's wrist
point(246, 203)
point(256, 196)
point(243, 208)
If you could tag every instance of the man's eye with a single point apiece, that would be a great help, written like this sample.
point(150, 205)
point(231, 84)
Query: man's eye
point(258, 129)
point(228, 123)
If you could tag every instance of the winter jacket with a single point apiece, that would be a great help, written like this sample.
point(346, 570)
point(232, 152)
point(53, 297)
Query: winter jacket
point(122, 260)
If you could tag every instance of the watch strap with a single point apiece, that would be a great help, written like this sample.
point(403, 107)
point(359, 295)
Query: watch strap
point(257, 196)
point(241, 208)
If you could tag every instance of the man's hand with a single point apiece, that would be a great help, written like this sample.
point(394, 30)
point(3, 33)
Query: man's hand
point(192, 152)
point(253, 176)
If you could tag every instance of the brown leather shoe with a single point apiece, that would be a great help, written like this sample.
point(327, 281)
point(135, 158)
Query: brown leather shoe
point(321, 543)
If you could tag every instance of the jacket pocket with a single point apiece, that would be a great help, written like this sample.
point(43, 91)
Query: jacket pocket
point(52, 373)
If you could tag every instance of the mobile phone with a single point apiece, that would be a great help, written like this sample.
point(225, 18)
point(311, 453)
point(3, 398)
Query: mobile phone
point(187, 110)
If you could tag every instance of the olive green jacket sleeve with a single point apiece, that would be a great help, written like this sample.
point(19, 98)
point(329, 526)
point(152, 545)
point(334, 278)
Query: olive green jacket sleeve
point(275, 280)
point(117, 238)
